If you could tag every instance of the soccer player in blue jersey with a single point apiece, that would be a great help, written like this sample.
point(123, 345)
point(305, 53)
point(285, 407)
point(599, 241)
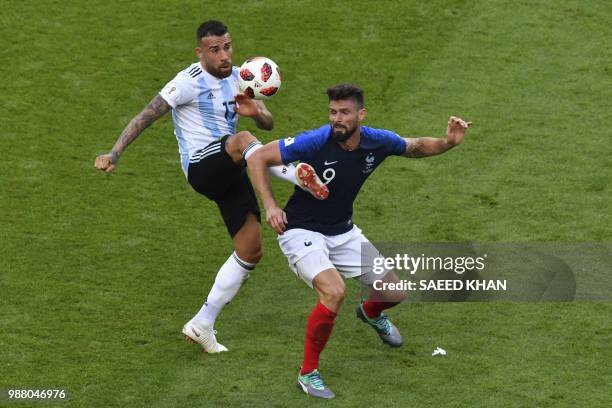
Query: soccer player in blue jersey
point(318, 237)
point(206, 105)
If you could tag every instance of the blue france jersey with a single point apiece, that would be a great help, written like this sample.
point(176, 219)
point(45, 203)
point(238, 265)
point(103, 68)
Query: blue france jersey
point(343, 171)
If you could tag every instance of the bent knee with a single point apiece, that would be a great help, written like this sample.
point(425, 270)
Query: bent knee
point(243, 139)
point(238, 143)
point(335, 293)
point(251, 255)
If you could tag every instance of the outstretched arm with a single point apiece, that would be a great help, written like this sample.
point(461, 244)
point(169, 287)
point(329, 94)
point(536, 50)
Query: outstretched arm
point(431, 146)
point(257, 165)
point(153, 111)
point(245, 106)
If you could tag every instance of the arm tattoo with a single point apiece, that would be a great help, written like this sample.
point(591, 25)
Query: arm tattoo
point(415, 148)
point(425, 147)
point(153, 111)
point(265, 120)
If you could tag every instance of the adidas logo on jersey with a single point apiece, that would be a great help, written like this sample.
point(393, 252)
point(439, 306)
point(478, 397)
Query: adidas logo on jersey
point(211, 96)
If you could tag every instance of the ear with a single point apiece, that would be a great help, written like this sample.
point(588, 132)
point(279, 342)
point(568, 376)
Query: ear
point(198, 52)
point(362, 114)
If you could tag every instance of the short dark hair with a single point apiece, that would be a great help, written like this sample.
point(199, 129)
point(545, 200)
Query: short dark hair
point(346, 91)
point(211, 27)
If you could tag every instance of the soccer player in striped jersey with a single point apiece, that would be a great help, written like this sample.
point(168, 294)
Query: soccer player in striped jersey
point(206, 105)
point(318, 238)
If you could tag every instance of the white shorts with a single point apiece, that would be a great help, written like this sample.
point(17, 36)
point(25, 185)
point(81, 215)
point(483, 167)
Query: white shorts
point(310, 253)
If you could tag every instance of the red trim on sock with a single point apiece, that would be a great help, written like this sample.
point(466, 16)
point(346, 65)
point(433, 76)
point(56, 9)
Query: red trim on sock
point(318, 329)
point(373, 309)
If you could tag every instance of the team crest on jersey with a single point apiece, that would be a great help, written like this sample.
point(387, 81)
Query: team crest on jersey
point(369, 163)
point(289, 141)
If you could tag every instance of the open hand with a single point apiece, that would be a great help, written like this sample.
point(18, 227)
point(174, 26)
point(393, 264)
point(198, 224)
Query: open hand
point(455, 132)
point(245, 106)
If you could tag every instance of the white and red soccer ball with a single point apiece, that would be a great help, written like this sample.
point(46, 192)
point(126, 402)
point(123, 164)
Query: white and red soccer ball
point(259, 78)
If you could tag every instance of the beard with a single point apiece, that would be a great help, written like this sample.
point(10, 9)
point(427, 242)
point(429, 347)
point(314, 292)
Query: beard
point(219, 73)
point(342, 134)
point(222, 74)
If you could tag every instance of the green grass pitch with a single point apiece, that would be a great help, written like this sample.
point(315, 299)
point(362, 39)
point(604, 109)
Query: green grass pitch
point(99, 272)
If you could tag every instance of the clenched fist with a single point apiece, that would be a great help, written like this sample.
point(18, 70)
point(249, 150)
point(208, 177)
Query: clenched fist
point(106, 162)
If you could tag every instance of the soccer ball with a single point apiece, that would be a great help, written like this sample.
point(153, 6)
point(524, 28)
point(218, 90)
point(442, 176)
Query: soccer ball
point(259, 78)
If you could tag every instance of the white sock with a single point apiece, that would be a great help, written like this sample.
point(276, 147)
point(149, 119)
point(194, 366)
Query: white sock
point(285, 172)
point(227, 283)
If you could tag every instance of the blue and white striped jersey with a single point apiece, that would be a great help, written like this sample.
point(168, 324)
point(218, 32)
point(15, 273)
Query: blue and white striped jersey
point(202, 108)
